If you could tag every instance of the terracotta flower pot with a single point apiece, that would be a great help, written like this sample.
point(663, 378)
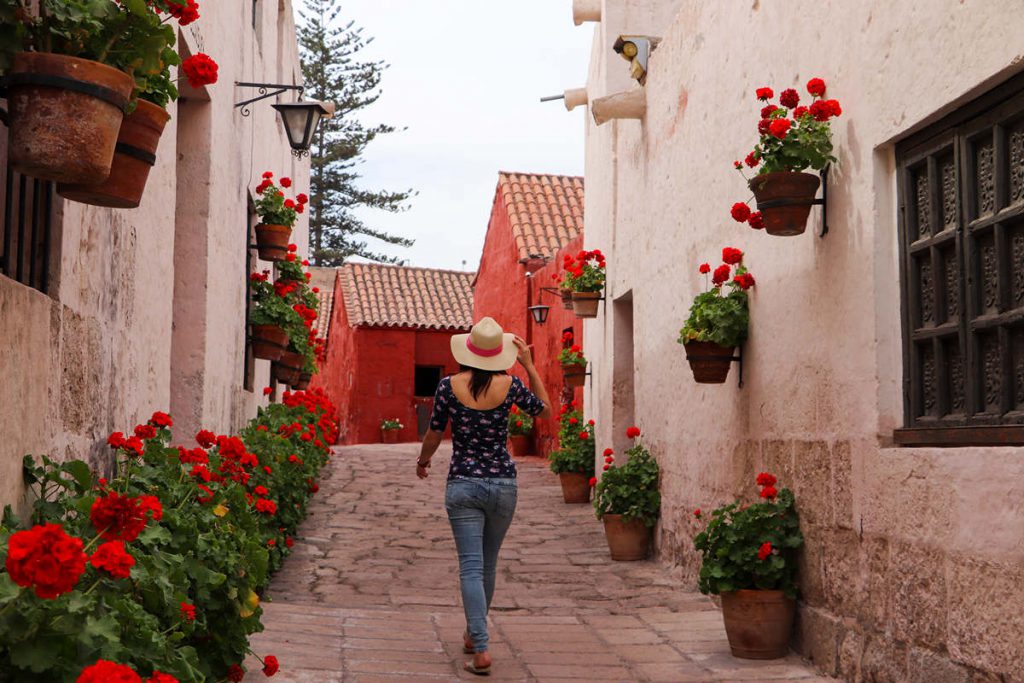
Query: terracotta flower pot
point(784, 199)
point(288, 367)
point(566, 298)
point(708, 361)
point(134, 155)
point(65, 115)
point(272, 241)
point(574, 375)
point(389, 435)
point(519, 444)
point(303, 382)
point(575, 487)
point(584, 304)
point(758, 623)
point(627, 541)
point(268, 341)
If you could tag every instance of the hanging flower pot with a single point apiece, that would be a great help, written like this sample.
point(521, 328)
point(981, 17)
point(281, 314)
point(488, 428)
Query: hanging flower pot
point(784, 199)
point(272, 241)
point(584, 304)
point(134, 156)
point(268, 341)
point(65, 115)
point(519, 444)
point(708, 361)
point(288, 367)
point(303, 383)
point(566, 298)
point(575, 487)
point(758, 623)
point(628, 541)
point(574, 375)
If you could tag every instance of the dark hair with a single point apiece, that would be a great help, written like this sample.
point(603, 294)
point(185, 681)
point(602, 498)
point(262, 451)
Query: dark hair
point(480, 380)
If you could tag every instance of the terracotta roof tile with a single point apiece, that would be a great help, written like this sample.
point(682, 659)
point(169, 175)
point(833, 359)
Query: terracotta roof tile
point(323, 279)
point(545, 211)
point(400, 296)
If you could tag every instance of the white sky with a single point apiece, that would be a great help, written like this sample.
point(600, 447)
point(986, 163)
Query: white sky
point(465, 79)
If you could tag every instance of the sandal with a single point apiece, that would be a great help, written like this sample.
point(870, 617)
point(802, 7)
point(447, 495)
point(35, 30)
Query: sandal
point(467, 645)
point(477, 670)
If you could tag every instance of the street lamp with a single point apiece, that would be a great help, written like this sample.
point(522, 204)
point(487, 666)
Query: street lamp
point(539, 313)
point(300, 122)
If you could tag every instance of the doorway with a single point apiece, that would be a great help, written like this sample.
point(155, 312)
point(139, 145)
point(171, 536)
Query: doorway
point(623, 372)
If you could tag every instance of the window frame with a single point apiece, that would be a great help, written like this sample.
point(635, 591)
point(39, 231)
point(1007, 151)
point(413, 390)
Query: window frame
point(956, 133)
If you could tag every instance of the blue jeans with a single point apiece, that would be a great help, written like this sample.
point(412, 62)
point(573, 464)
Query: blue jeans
point(480, 512)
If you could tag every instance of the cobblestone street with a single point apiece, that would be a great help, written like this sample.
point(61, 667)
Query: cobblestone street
point(371, 592)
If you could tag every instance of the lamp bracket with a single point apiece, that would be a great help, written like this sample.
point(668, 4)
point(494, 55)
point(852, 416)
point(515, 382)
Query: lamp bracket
point(265, 90)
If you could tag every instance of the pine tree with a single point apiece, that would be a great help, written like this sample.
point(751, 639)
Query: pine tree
point(333, 72)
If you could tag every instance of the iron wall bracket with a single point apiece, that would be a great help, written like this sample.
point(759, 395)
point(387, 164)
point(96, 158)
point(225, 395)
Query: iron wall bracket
point(821, 201)
point(265, 90)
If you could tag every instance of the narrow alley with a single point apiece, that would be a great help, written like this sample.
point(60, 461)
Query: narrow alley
point(371, 592)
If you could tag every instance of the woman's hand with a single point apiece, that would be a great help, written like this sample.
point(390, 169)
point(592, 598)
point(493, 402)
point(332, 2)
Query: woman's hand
point(525, 355)
point(422, 471)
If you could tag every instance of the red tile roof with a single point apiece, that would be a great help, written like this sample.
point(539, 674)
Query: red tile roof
point(400, 296)
point(323, 279)
point(545, 211)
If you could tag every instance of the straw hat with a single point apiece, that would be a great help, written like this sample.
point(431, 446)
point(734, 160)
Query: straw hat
point(486, 347)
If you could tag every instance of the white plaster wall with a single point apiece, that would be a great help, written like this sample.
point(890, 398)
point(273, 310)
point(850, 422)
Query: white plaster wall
point(822, 366)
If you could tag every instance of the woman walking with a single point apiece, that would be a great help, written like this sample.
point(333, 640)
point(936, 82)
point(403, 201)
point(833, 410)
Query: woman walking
point(481, 493)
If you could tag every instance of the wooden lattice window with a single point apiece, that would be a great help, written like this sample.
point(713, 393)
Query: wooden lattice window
point(961, 190)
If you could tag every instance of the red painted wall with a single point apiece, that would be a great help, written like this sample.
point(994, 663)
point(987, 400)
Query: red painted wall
point(369, 373)
point(503, 292)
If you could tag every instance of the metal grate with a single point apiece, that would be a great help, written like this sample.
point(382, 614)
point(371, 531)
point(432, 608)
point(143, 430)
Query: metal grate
point(27, 205)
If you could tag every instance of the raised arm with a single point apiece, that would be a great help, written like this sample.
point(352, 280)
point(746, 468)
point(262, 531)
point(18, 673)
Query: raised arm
point(536, 383)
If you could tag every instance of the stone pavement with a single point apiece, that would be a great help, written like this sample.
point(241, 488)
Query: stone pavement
point(371, 592)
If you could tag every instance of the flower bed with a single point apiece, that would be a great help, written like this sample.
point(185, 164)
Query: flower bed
point(157, 571)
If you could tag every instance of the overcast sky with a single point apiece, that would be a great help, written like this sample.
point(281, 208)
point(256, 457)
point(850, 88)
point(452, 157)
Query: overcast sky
point(465, 80)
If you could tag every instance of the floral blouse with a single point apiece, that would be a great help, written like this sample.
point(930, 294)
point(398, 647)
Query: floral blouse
point(480, 437)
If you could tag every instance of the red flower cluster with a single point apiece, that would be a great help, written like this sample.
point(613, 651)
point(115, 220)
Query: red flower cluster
point(158, 677)
point(574, 265)
point(633, 432)
point(206, 438)
point(122, 518)
point(45, 558)
point(161, 420)
point(593, 482)
point(721, 275)
point(200, 70)
point(188, 611)
point(114, 559)
point(185, 13)
point(789, 98)
point(740, 212)
point(765, 94)
point(236, 673)
point(133, 444)
point(765, 551)
point(705, 268)
point(108, 672)
point(567, 337)
point(267, 507)
point(731, 256)
point(767, 481)
point(270, 666)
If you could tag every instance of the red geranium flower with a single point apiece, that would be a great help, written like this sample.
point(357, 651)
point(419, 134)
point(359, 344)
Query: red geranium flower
point(159, 677)
point(112, 558)
point(188, 612)
point(584, 436)
point(116, 440)
point(780, 128)
point(731, 256)
point(745, 281)
point(740, 212)
point(200, 70)
point(799, 111)
point(45, 558)
point(765, 94)
point(108, 672)
point(286, 182)
point(789, 98)
point(289, 542)
point(120, 518)
point(696, 513)
point(206, 438)
point(820, 110)
point(633, 432)
point(302, 198)
point(267, 391)
point(769, 493)
point(608, 451)
point(593, 481)
point(705, 268)
point(293, 247)
point(765, 479)
point(816, 87)
point(606, 467)
point(185, 13)
point(767, 111)
point(721, 274)
point(145, 431)
point(833, 107)
point(270, 666)
point(236, 673)
point(756, 220)
point(752, 160)
point(260, 490)
point(161, 419)
point(265, 506)
point(573, 420)
point(268, 175)
point(763, 126)
point(765, 551)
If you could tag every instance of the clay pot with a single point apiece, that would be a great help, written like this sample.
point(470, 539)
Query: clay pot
point(389, 435)
point(65, 114)
point(134, 155)
point(303, 382)
point(272, 241)
point(708, 361)
point(287, 368)
point(574, 375)
point(519, 444)
point(268, 341)
point(789, 196)
point(627, 541)
point(584, 304)
point(575, 487)
point(758, 623)
point(566, 298)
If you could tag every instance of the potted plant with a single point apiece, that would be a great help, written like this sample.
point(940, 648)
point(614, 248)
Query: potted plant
point(563, 290)
point(270, 318)
point(574, 366)
point(139, 136)
point(585, 278)
point(573, 460)
point(793, 139)
point(71, 67)
point(277, 217)
point(520, 426)
point(718, 323)
point(749, 558)
point(389, 428)
point(627, 500)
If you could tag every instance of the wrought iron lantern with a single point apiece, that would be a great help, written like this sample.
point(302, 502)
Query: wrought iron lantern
point(300, 118)
point(539, 313)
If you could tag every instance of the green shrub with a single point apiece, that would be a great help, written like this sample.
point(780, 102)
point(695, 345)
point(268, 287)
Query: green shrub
point(632, 489)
